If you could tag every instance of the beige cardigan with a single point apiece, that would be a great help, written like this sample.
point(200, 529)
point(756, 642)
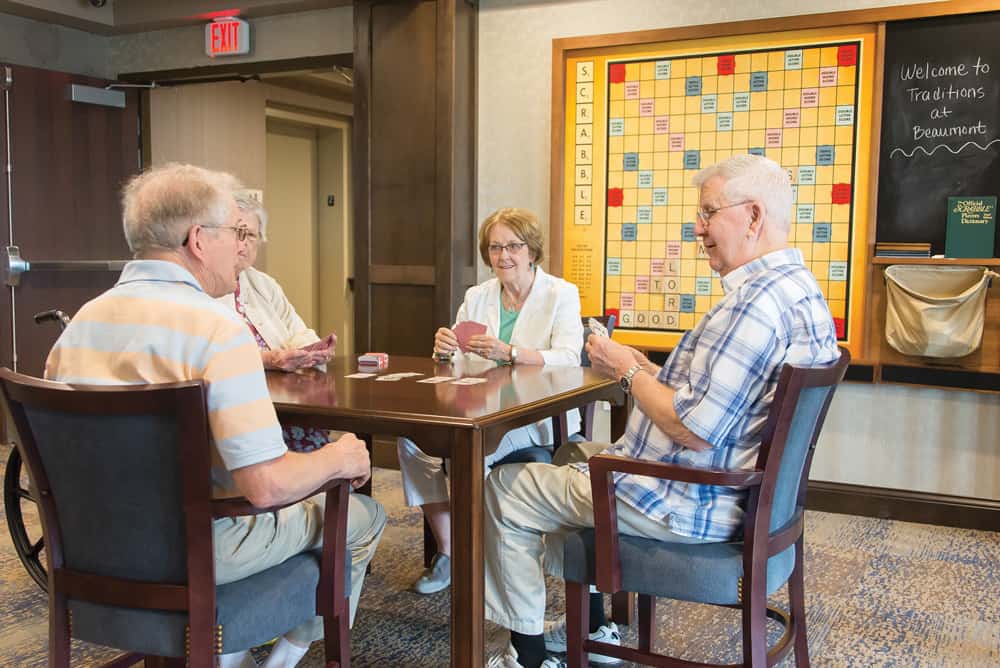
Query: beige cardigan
point(269, 310)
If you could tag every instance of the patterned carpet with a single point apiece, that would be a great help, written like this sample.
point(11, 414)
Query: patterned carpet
point(879, 593)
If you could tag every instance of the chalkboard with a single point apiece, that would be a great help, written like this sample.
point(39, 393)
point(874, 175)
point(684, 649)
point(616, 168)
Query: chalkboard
point(940, 123)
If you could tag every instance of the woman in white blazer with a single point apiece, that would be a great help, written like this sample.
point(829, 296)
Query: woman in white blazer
point(531, 318)
point(281, 334)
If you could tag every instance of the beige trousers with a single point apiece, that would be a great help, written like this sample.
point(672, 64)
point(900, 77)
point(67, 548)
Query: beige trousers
point(248, 545)
point(529, 510)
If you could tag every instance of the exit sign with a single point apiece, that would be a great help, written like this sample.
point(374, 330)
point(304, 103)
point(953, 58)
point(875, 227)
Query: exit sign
point(227, 37)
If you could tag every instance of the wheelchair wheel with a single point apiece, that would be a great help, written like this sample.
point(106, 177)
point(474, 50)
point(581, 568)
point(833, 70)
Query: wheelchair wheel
point(18, 500)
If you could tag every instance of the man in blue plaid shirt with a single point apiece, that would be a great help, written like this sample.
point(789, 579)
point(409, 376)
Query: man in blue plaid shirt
point(705, 408)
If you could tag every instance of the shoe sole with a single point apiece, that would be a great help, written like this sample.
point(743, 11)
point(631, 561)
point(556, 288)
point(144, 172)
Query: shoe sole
point(425, 591)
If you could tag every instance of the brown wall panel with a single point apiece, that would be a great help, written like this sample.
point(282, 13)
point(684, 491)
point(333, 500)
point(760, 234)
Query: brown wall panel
point(407, 312)
point(403, 133)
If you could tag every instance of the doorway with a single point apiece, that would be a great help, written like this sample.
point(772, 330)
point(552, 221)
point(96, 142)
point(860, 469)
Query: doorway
point(308, 199)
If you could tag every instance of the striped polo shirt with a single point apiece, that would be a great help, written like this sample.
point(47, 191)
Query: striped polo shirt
point(157, 325)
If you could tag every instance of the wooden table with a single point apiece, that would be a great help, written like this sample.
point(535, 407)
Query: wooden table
point(461, 422)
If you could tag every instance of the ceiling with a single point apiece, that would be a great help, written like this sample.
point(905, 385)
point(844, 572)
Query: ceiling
point(125, 16)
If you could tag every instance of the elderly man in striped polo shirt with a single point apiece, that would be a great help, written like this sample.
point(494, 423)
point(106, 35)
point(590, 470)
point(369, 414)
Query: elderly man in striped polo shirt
point(706, 407)
point(161, 323)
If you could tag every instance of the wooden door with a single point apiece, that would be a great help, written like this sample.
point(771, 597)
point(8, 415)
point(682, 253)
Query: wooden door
point(414, 169)
point(68, 161)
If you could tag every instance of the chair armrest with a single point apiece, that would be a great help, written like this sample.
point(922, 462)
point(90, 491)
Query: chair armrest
point(608, 567)
point(238, 506)
point(604, 464)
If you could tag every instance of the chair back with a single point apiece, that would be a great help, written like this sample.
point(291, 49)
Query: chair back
point(115, 469)
point(609, 323)
point(800, 404)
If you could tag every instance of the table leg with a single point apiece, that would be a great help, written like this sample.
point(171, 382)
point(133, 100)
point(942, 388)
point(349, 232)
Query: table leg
point(467, 574)
point(622, 603)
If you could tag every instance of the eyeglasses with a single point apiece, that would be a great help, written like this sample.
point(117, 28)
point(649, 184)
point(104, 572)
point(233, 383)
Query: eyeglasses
point(242, 231)
point(512, 248)
point(705, 215)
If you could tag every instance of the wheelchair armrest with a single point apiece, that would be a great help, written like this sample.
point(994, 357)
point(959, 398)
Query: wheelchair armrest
point(607, 557)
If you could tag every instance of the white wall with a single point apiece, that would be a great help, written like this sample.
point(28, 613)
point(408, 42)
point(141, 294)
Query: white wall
point(880, 435)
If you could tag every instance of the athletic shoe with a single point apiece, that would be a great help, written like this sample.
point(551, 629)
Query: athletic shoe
point(555, 640)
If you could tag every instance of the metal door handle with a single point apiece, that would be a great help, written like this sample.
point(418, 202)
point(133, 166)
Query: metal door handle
point(16, 265)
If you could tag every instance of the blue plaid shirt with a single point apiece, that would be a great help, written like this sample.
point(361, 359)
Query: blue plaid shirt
point(724, 373)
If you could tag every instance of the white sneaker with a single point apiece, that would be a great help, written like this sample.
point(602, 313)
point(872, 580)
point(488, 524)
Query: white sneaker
point(555, 640)
point(508, 659)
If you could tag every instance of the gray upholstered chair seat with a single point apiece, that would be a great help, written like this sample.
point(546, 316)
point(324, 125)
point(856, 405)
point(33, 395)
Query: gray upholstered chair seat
point(702, 573)
point(288, 587)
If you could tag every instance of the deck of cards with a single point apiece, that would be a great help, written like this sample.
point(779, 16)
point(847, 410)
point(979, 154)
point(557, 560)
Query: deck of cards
point(374, 360)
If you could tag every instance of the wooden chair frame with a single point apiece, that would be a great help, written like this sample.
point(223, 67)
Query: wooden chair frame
point(185, 403)
point(759, 542)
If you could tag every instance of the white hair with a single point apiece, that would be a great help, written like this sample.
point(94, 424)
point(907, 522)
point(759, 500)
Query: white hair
point(250, 204)
point(753, 177)
point(162, 204)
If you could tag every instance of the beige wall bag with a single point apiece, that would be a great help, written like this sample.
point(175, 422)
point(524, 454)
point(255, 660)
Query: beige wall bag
point(935, 311)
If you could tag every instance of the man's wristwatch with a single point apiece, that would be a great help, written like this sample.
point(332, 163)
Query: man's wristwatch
point(626, 380)
point(513, 355)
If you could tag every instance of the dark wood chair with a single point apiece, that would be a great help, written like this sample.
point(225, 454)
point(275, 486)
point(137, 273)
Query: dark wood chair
point(125, 497)
point(735, 574)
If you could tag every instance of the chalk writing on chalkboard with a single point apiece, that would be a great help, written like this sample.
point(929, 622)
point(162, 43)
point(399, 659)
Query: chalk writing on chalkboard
point(933, 92)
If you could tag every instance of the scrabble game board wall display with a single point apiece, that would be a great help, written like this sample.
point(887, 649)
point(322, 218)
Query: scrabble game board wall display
point(641, 121)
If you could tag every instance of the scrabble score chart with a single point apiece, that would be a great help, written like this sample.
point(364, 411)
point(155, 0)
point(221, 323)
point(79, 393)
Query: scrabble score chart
point(640, 122)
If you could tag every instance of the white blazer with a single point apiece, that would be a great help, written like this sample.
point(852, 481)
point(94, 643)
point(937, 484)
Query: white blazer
point(549, 322)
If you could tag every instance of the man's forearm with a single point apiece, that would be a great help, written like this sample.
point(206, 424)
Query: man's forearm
point(657, 401)
point(291, 476)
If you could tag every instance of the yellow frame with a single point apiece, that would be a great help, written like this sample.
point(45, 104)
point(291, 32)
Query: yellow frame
point(583, 246)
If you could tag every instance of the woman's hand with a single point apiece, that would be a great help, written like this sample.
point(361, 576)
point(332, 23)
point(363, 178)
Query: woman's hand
point(445, 341)
point(610, 359)
point(490, 347)
point(293, 359)
point(324, 349)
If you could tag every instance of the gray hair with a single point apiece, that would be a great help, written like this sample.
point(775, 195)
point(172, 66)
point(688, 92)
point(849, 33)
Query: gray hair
point(753, 177)
point(249, 204)
point(160, 205)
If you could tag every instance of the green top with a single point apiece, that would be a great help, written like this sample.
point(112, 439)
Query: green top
point(507, 320)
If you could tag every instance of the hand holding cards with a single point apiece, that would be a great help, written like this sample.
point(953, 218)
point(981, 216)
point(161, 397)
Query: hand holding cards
point(465, 331)
point(597, 328)
point(327, 343)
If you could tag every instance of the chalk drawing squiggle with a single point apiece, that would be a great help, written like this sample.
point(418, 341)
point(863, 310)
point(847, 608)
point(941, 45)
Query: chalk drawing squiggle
point(945, 146)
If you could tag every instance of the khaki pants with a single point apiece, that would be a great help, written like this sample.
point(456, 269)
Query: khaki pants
point(529, 510)
point(248, 545)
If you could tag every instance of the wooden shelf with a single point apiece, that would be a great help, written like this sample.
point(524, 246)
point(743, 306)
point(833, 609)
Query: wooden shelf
point(982, 262)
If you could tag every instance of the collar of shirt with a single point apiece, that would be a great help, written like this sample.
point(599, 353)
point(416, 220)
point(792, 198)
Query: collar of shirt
point(739, 276)
point(157, 270)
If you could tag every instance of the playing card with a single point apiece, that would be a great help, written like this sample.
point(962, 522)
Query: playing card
point(597, 328)
point(465, 331)
point(469, 381)
point(436, 379)
point(360, 375)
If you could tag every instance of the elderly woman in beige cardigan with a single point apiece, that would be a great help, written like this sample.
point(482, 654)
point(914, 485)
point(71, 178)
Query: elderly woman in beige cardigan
point(286, 343)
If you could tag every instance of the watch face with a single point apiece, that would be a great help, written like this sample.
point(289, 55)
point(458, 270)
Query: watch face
point(625, 382)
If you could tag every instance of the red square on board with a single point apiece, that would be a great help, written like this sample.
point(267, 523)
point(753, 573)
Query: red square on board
point(615, 196)
point(847, 55)
point(841, 193)
point(726, 65)
point(614, 312)
point(841, 327)
point(616, 72)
